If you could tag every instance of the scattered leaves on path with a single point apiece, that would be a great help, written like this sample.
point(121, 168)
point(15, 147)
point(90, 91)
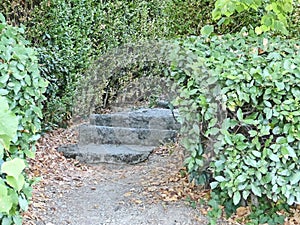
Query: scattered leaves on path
point(54, 170)
point(165, 182)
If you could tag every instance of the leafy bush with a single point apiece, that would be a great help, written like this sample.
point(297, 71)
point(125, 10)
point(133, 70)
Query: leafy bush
point(22, 87)
point(17, 12)
point(121, 22)
point(240, 98)
point(71, 34)
point(278, 17)
point(294, 20)
point(274, 14)
point(186, 18)
point(60, 31)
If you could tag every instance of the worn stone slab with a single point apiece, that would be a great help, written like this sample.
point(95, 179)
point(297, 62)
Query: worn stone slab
point(160, 119)
point(116, 154)
point(91, 134)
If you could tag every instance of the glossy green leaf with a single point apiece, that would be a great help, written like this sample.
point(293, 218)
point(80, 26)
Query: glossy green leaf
point(256, 153)
point(207, 30)
point(16, 182)
point(5, 201)
point(2, 18)
point(236, 197)
point(239, 115)
point(220, 178)
point(8, 124)
point(13, 168)
point(274, 157)
point(295, 178)
point(213, 185)
point(23, 203)
point(256, 190)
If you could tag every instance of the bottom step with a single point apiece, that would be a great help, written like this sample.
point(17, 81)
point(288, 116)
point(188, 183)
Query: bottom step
point(118, 154)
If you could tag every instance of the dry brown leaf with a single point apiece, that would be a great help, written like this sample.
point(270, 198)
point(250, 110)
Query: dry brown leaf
point(128, 194)
point(242, 211)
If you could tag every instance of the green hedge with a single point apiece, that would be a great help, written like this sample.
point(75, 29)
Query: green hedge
point(239, 104)
point(60, 31)
point(21, 96)
point(17, 12)
point(70, 35)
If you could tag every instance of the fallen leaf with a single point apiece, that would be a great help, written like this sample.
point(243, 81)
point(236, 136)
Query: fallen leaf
point(242, 211)
point(128, 194)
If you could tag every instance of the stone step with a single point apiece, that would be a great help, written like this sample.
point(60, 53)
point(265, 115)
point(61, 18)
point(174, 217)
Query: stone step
point(117, 154)
point(92, 134)
point(160, 119)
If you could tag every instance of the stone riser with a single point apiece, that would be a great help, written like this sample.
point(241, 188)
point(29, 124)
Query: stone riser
point(160, 119)
point(95, 154)
point(125, 137)
point(90, 134)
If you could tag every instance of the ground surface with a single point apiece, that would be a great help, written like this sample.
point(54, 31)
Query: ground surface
point(119, 195)
point(153, 192)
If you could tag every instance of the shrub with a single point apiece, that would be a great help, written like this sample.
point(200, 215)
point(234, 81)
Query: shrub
point(21, 88)
point(276, 17)
point(60, 31)
point(294, 21)
point(121, 22)
point(186, 18)
point(71, 34)
point(17, 12)
point(243, 115)
point(274, 14)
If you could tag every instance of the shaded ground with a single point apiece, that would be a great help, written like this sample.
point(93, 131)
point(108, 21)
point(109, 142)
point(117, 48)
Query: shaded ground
point(153, 192)
point(119, 195)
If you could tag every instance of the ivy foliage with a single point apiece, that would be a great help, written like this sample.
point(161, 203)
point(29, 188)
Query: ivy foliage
point(274, 15)
point(239, 103)
point(21, 89)
point(9, 125)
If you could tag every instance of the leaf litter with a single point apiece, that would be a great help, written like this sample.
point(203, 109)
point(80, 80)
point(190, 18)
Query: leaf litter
point(165, 182)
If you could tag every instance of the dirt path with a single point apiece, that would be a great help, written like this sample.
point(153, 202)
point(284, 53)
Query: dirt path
point(153, 192)
point(115, 196)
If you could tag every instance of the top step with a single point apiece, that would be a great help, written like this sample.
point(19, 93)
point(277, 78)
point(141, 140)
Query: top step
point(162, 119)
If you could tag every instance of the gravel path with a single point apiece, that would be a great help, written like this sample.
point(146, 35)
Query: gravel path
point(118, 195)
point(153, 192)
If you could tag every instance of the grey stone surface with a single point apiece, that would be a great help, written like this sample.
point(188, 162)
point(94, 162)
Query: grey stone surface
point(124, 137)
point(160, 119)
point(117, 154)
point(91, 134)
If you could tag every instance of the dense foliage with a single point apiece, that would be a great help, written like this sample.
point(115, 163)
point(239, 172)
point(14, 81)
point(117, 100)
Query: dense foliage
point(70, 35)
point(239, 94)
point(244, 113)
point(278, 17)
point(274, 14)
point(21, 89)
point(60, 31)
point(16, 11)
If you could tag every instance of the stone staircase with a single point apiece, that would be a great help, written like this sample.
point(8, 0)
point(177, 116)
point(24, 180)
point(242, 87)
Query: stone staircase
point(123, 137)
